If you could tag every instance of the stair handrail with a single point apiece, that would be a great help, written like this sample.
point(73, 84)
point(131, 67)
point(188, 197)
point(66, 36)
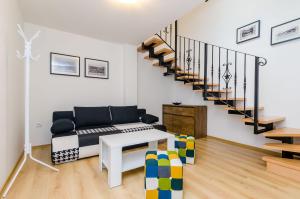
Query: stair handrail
point(172, 39)
point(262, 63)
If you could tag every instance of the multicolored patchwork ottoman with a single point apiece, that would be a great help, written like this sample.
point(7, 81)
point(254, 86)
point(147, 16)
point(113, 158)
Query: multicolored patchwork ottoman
point(163, 175)
point(185, 146)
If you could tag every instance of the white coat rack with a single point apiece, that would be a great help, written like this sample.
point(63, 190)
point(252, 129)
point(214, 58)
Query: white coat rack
point(27, 146)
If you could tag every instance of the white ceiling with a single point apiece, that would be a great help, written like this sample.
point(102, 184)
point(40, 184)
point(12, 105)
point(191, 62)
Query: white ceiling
point(106, 19)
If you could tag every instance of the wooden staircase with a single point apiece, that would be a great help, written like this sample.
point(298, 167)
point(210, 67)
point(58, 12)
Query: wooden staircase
point(185, 65)
point(287, 166)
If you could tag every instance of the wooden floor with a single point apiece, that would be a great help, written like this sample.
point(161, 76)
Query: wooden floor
point(222, 170)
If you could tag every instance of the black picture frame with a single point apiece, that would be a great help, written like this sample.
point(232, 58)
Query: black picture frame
point(280, 25)
point(95, 60)
point(52, 71)
point(240, 28)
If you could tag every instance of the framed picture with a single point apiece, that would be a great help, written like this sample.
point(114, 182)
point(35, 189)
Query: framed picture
point(61, 64)
point(248, 32)
point(95, 68)
point(285, 32)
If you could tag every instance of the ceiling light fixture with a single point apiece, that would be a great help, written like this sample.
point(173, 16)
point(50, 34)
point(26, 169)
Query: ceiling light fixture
point(128, 1)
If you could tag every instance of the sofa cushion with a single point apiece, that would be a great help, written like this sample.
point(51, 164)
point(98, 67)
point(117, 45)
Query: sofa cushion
point(149, 119)
point(91, 116)
point(62, 115)
point(91, 135)
point(141, 112)
point(61, 126)
point(124, 114)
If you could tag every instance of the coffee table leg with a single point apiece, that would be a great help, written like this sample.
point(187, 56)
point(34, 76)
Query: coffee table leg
point(115, 166)
point(100, 154)
point(171, 143)
point(153, 145)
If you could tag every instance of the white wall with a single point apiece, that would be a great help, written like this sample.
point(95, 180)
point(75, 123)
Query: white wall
point(216, 22)
point(153, 88)
point(130, 75)
point(11, 88)
point(54, 92)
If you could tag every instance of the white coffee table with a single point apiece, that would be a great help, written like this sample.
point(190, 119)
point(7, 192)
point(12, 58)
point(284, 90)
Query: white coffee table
point(116, 162)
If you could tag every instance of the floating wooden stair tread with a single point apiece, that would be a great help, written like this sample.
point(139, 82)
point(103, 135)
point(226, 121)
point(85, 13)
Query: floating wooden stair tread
point(283, 147)
point(166, 61)
point(283, 132)
point(172, 59)
point(241, 108)
point(187, 73)
point(289, 163)
point(141, 49)
point(265, 120)
point(224, 99)
point(190, 77)
point(153, 40)
point(149, 58)
point(165, 51)
point(177, 68)
point(173, 67)
point(218, 91)
point(202, 84)
point(215, 91)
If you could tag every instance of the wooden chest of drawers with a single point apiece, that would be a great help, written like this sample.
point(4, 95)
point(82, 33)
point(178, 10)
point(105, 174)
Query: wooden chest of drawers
point(191, 120)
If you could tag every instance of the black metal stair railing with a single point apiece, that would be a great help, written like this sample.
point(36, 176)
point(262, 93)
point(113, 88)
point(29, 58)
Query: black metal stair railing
point(219, 71)
point(228, 76)
point(168, 36)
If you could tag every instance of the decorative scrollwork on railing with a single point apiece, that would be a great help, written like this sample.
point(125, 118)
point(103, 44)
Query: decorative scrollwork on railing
point(262, 61)
point(189, 59)
point(227, 75)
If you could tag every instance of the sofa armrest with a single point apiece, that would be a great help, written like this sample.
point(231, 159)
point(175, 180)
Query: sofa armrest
point(62, 115)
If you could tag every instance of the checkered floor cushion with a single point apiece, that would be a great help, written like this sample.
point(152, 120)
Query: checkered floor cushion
point(163, 175)
point(185, 146)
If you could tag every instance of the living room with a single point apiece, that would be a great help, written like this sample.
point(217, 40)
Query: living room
point(113, 85)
